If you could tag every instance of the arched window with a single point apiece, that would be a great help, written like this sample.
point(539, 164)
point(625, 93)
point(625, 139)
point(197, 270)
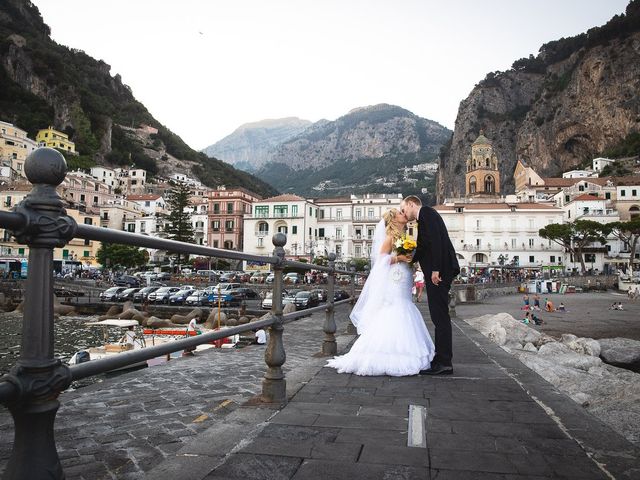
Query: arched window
point(472, 184)
point(486, 164)
point(228, 245)
point(634, 211)
point(489, 184)
point(263, 228)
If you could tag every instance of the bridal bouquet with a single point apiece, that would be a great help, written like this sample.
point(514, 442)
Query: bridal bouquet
point(405, 245)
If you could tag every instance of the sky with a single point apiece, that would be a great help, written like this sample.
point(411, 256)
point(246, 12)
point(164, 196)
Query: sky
point(205, 67)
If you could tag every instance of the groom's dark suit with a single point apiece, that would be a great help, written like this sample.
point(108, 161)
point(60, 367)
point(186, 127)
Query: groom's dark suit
point(435, 253)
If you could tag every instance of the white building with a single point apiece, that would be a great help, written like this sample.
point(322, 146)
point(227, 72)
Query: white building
point(579, 174)
point(599, 163)
point(346, 224)
point(184, 178)
point(150, 203)
point(490, 235)
point(289, 214)
point(200, 221)
point(628, 197)
point(105, 175)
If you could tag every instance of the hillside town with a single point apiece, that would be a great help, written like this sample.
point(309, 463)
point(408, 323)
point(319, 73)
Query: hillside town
point(494, 234)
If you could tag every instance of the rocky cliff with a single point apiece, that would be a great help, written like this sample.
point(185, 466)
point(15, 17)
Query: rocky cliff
point(43, 83)
point(250, 146)
point(366, 145)
point(577, 98)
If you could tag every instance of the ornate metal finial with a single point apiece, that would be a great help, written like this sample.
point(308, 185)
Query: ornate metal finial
point(279, 239)
point(45, 166)
point(47, 223)
point(332, 257)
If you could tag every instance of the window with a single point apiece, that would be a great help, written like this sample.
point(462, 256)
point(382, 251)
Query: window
point(215, 226)
point(370, 213)
point(228, 245)
point(338, 233)
point(294, 211)
point(338, 251)
point(516, 260)
point(370, 231)
point(134, 182)
point(280, 210)
point(85, 253)
point(260, 242)
point(532, 259)
point(105, 215)
point(623, 193)
point(478, 242)
point(21, 251)
point(262, 211)
point(552, 259)
point(216, 208)
point(263, 228)
point(215, 244)
point(634, 193)
point(310, 212)
point(321, 232)
point(65, 254)
point(339, 214)
point(472, 184)
point(147, 203)
point(143, 227)
point(581, 188)
point(531, 243)
point(283, 229)
point(228, 226)
point(567, 199)
point(229, 207)
point(82, 197)
point(88, 221)
point(357, 251)
point(489, 183)
point(131, 227)
point(607, 195)
point(358, 214)
point(358, 233)
point(294, 230)
point(477, 224)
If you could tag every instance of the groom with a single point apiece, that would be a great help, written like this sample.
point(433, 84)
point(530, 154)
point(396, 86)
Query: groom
point(439, 263)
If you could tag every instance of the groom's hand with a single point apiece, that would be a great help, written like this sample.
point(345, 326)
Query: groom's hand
point(435, 278)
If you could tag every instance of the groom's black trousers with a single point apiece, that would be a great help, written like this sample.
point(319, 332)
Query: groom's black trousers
point(438, 297)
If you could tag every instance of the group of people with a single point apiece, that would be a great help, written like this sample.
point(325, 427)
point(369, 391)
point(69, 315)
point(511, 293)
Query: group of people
point(616, 306)
point(548, 304)
point(393, 336)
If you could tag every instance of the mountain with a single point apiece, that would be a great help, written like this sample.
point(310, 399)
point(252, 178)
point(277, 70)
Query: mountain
point(43, 83)
point(250, 145)
point(576, 100)
point(364, 150)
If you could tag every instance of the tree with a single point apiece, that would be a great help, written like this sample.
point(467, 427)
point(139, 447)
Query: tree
point(629, 234)
point(575, 236)
point(115, 256)
point(178, 222)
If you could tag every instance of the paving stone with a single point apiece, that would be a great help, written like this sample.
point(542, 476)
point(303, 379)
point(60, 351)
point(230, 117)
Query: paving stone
point(256, 467)
point(412, 456)
point(361, 421)
point(372, 436)
point(279, 447)
point(470, 460)
point(295, 418)
point(336, 452)
point(328, 470)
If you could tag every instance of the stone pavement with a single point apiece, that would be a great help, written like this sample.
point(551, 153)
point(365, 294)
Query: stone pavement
point(189, 419)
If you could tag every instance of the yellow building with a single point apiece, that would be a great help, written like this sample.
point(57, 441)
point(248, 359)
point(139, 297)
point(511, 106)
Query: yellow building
point(15, 146)
point(49, 137)
point(482, 178)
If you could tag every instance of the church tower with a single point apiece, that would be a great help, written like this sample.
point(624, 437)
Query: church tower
point(482, 178)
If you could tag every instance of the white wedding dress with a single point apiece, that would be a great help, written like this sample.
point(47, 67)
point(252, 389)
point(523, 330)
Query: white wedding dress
point(393, 336)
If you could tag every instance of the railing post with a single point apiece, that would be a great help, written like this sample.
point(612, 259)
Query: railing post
point(274, 386)
point(351, 330)
point(38, 376)
point(329, 346)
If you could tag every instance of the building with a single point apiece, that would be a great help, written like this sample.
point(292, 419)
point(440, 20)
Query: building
point(599, 163)
point(579, 174)
point(289, 214)
point(200, 221)
point(226, 210)
point(50, 137)
point(500, 234)
point(346, 224)
point(150, 203)
point(184, 178)
point(83, 190)
point(106, 175)
point(131, 181)
point(628, 197)
point(120, 214)
point(15, 146)
point(482, 178)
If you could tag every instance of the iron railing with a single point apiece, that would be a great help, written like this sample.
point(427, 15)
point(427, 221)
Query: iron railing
point(31, 389)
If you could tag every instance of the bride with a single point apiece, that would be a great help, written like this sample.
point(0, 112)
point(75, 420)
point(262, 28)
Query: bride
point(393, 337)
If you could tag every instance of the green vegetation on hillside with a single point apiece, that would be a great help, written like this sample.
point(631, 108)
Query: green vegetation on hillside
point(628, 147)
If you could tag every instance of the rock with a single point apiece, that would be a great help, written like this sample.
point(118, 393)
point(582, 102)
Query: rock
point(62, 309)
point(19, 307)
point(530, 347)
point(185, 319)
point(620, 351)
point(232, 322)
point(113, 312)
point(128, 305)
point(288, 308)
point(498, 334)
point(587, 346)
point(243, 321)
point(514, 329)
point(133, 314)
point(155, 322)
point(212, 319)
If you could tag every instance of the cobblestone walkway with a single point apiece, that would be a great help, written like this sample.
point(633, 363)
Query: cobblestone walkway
point(124, 426)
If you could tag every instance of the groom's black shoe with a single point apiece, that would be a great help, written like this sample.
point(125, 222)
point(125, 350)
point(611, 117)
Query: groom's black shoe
point(438, 369)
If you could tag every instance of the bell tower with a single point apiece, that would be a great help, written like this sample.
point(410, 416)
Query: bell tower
point(482, 178)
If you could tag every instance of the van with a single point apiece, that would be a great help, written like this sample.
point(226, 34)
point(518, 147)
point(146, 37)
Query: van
point(208, 274)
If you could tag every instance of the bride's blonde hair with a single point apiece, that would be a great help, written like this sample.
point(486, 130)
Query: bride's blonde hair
point(390, 226)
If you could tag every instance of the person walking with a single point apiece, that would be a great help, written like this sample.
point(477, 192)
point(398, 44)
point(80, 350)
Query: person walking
point(439, 263)
point(419, 284)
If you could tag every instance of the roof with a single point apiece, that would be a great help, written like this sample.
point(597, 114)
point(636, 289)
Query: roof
point(345, 199)
point(587, 197)
point(481, 140)
point(497, 206)
point(149, 196)
point(567, 182)
point(284, 198)
point(627, 181)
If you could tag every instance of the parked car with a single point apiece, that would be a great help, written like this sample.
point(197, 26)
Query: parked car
point(258, 277)
point(340, 295)
point(227, 298)
point(246, 293)
point(127, 294)
point(229, 277)
point(322, 294)
point(163, 276)
point(290, 297)
point(222, 287)
point(270, 278)
point(127, 281)
point(141, 295)
point(210, 275)
point(198, 298)
point(162, 295)
point(111, 294)
point(267, 303)
point(180, 296)
point(292, 278)
point(344, 279)
point(306, 300)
